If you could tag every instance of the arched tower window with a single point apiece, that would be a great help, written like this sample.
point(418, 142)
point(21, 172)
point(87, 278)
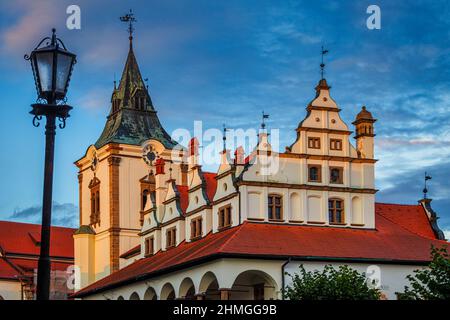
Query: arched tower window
point(94, 187)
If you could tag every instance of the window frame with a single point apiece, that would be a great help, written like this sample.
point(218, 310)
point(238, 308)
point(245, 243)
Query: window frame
point(94, 187)
point(149, 246)
point(319, 172)
point(196, 228)
point(171, 237)
point(314, 143)
point(336, 142)
point(341, 175)
point(226, 212)
point(332, 211)
point(272, 206)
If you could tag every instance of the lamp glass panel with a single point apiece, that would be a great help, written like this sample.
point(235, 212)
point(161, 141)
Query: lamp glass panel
point(63, 71)
point(44, 61)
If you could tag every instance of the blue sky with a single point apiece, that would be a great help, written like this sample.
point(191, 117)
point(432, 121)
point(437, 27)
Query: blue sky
point(226, 61)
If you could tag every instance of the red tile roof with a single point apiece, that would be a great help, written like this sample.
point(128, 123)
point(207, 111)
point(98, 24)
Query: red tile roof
point(184, 197)
point(389, 242)
point(412, 218)
point(19, 244)
point(132, 252)
point(7, 270)
point(211, 184)
point(20, 238)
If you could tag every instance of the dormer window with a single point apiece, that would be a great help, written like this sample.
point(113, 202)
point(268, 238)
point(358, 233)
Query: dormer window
point(139, 100)
point(171, 238)
point(224, 217)
point(149, 246)
point(196, 228)
point(314, 173)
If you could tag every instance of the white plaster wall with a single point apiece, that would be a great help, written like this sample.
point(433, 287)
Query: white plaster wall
point(10, 290)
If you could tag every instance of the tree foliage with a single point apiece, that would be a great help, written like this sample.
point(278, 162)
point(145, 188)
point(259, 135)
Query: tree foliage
point(432, 283)
point(344, 283)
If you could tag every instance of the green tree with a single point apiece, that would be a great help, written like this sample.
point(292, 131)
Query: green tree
point(432, 283)
point(343, 283)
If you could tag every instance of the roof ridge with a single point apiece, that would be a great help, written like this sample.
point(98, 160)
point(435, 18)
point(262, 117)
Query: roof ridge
point(397, 204)
point(35, 224)
point(239, 226)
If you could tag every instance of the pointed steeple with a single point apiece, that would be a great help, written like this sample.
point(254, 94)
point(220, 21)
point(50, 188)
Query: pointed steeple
point(132, 119)
point(132, 91)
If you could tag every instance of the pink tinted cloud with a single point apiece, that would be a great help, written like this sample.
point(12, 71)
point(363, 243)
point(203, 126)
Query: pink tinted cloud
point(35, 19)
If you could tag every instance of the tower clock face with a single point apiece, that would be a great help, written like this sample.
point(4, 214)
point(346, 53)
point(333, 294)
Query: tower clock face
point(149, 154)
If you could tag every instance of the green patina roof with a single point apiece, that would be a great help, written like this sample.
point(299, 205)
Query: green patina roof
point(132, 119)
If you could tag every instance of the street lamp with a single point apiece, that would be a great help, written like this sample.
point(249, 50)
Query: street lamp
point(52, 67)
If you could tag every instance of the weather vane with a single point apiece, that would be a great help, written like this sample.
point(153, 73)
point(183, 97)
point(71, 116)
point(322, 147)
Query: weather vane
point(322, 65)
point(224, 138)
point(264, 116)
point(130, 19)
point(425, 190)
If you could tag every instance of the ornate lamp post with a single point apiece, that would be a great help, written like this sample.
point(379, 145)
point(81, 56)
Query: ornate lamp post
point(52, 67)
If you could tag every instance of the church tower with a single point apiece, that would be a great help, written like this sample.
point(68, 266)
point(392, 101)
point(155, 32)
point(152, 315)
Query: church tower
point(115, 182)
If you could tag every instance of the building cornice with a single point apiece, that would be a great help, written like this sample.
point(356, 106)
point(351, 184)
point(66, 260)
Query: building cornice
point(325, 157)
point(306, 187)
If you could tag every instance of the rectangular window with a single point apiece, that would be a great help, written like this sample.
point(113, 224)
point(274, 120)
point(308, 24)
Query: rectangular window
point(314, 173)
point(313, 143)
point(149, 242)
point(275, 207)
point(196, 228)
point(336, 175)
point(225, 217)
point(336, 211)
point(171, 238)
point(335, 144)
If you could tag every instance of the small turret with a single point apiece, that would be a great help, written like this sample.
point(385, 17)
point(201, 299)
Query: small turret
point(364, 133)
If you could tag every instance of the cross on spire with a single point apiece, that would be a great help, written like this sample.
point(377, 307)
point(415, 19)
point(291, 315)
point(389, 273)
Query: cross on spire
point(322, 65)
point(130, 19)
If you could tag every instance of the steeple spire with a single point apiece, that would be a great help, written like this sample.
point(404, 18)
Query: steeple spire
point(133, 118)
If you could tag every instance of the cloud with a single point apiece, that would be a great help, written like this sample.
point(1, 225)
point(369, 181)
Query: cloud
point(95, 99)
point(446, 233)
point(406, 187)
point(36, 18)
point(63, 214)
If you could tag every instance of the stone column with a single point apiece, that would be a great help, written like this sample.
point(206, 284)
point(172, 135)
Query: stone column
point(114, 248)
point(225, 294)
